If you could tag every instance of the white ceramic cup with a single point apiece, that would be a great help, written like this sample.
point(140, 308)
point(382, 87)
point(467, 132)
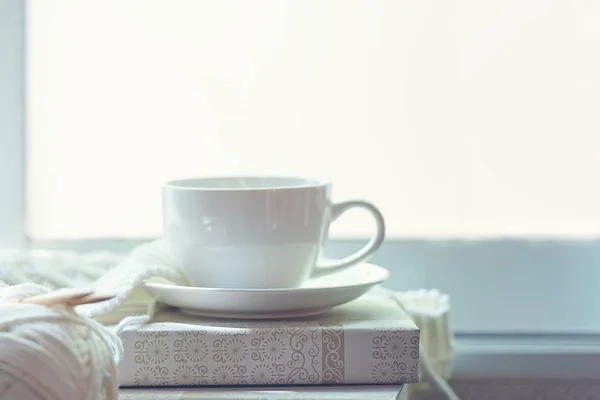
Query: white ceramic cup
point(255, 232)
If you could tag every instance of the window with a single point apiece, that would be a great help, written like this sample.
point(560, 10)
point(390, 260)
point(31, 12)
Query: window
point(471, 124)
point(12, 78)
point(488, 107)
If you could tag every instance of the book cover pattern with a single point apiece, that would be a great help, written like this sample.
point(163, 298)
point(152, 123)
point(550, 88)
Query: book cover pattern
point(271, 353)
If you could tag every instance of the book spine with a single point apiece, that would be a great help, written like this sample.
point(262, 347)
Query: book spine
point(309, 354)
point(388, 392)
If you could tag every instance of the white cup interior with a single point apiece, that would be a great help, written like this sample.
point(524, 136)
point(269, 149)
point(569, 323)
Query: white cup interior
point(245, 183)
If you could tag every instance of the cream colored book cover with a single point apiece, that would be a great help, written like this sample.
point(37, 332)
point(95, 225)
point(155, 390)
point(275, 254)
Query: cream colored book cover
point(369, 340)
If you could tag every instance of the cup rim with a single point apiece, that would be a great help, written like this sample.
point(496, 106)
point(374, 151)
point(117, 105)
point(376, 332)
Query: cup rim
point(192, 184)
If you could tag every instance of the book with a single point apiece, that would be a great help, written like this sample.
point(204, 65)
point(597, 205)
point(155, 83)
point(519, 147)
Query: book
point(370, 340)
point(373, 392)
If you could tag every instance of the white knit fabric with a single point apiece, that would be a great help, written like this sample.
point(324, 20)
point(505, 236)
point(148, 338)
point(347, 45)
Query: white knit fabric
point(57, 353)
point(105, 272)
point(37, 272)
point(52, 353)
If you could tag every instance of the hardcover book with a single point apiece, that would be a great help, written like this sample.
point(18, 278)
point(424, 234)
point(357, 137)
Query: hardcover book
point(370, 340)
point(372, 392)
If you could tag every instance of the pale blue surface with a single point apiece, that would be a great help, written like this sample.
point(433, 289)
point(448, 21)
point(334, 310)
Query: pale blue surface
point(12, 113)
point(496, 287)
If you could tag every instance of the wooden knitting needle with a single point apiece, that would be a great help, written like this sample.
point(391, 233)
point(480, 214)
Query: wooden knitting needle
point(91, 299)
point(70, 297)
point(62, 296)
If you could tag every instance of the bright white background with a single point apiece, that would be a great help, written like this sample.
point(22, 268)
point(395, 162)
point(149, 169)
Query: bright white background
point(459, 118)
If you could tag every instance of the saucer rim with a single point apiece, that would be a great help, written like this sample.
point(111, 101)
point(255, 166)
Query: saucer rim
point(261, 316)
point(385, 274)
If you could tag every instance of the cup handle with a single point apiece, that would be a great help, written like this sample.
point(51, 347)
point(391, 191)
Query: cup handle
point(337, 210)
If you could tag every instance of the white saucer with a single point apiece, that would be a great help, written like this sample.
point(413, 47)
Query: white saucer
point(315, 296)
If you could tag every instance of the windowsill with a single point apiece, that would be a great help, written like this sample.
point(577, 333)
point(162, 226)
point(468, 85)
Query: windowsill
point(498, 288)
point(522, 308)
point(526, 357)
